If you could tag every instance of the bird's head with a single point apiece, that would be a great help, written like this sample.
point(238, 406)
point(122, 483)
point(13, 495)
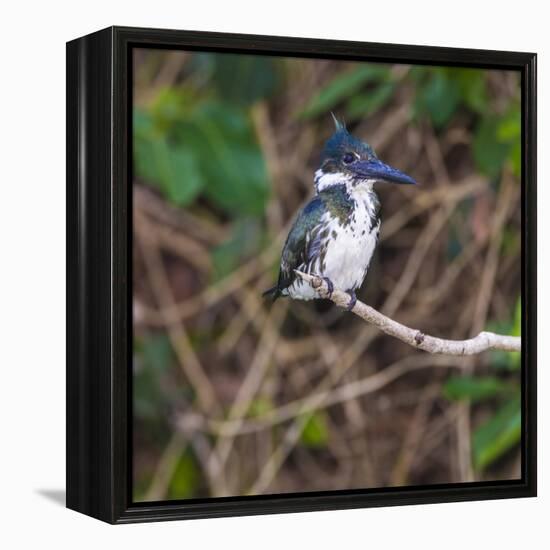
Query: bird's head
point(346, 159)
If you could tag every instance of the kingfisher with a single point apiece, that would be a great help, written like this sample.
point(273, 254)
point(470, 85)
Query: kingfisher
point(335, 234)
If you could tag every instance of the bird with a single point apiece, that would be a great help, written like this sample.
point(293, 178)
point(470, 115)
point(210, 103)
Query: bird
point(335, 234)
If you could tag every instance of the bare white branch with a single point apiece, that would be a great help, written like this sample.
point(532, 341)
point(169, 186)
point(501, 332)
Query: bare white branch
point(482, 342)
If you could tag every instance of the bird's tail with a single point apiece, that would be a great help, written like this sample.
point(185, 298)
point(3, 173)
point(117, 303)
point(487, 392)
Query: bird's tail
point(273, 293)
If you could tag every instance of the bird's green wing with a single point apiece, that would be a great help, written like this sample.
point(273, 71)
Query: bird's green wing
point(302, 244)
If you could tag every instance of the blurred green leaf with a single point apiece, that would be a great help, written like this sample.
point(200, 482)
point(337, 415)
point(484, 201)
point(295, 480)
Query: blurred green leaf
point(475, 388)
point(244, 79)
point(260, 406)
point(508, 131)
point(515, 358)
point(144, 161)
point(315, 433)
point(222, 140)
point(367, 103)
point(211, 150)
point(439, 97)
point(489, 153)
point(498, 435)
point(140, 485)
point(169, 106)
point(497, 140)
point(342, 87)
point(511, 241)
point(173, 170)
point(144, 133)
point(472, 86)
point(147, 396)
point(505, 360)
point(153, 356)
point(177, 173)
point(185, 480)
point(515, 158)
point(509, 127)
point(442, 90)
point(183, 181)
point(156, 351)
point(516, 330)
point(142, 122)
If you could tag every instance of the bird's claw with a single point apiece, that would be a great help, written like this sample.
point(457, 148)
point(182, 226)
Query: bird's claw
point(330, 286)
point(352, 300)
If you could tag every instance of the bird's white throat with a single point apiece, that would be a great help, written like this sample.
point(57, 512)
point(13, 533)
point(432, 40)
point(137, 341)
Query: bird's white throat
point(324, 180)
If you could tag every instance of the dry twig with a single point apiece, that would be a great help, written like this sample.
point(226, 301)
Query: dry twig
point(415, 338)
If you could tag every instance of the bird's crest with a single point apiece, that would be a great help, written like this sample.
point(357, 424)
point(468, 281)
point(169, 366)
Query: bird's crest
point(340, 125)
point(342, 141)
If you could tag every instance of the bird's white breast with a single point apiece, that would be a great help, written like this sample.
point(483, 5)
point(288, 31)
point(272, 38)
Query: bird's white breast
point(350, 251)
point(349, 247)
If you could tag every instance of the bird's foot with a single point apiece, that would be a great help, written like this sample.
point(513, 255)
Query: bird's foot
point(352, 300)
point(330, 286)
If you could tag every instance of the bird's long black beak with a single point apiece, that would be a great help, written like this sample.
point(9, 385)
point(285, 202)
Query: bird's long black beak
point(377, 170)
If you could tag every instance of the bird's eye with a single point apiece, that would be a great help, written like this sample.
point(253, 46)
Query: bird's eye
point(348, 158)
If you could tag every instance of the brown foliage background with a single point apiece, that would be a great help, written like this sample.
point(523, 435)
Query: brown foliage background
point(235, 396)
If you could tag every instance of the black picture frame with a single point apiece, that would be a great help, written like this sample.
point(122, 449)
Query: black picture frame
point(99, 217)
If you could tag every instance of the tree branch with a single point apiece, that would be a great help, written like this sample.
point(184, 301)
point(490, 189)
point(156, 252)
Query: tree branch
point(415, 338)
